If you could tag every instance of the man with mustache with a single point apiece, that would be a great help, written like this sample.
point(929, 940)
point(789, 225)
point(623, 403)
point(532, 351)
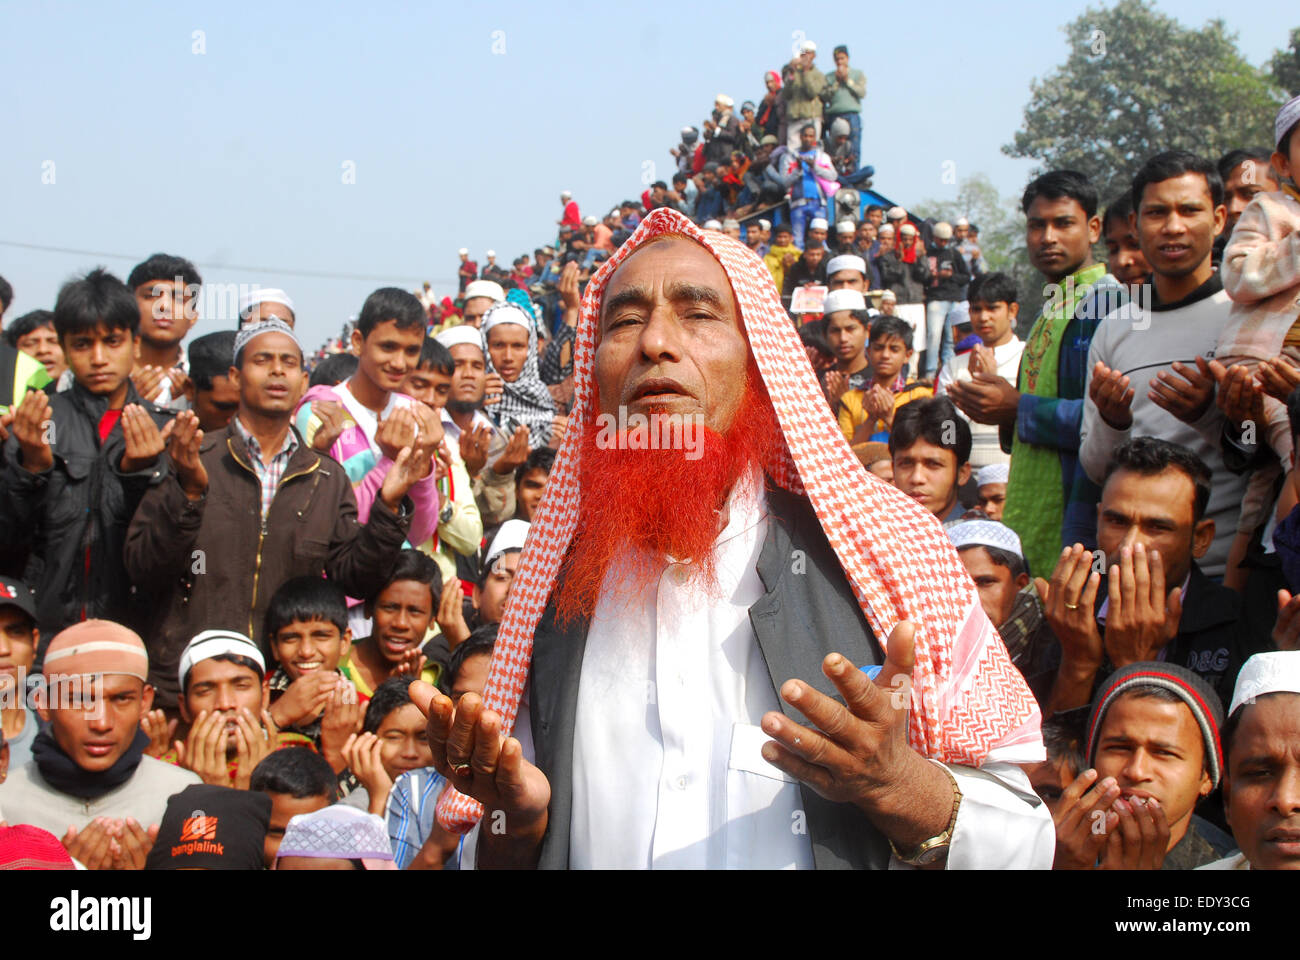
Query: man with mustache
point(681, 625)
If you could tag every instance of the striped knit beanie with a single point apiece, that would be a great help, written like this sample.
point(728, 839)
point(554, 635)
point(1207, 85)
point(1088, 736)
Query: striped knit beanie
point(97, 647)
point(1206, 707)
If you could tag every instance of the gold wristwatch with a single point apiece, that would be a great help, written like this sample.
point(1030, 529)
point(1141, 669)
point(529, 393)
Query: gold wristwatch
point(936, 848)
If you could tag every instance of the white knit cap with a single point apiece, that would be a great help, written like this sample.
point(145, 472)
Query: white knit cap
point(214, 643)
point(896, 213)
point(485, 288)
point(818, 223)
point(846, 226)
point(339, 832)
point(263, 295)
point(511, 536)
point(460, 334)
point(846, 261)
point(712, 225)
point(463, 252)
point(506, 312)
point(1264, 673)
point(985, 533)
point(993, 473)
point(765, 224)
point(843, 299)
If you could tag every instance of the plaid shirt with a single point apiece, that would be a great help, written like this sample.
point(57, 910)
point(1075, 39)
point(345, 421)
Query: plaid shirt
point(268, 474)
point(411, 806)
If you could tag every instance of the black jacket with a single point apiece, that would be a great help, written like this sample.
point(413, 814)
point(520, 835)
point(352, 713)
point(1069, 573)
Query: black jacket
point(74, 516)
point(953, 288)
point(907, 280)
point(801, 618)
point(216, 562)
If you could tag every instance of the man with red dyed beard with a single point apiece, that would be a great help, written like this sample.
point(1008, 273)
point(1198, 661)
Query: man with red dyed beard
point(679, 659)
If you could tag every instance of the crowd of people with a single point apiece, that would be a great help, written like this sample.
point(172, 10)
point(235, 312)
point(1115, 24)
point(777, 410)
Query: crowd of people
point(254, 601)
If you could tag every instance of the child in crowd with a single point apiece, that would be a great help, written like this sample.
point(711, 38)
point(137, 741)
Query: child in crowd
point(394, 740)
point(297, 781)
point(868, 414)
point(401, 614)
point(993, 308)
point(306, 628)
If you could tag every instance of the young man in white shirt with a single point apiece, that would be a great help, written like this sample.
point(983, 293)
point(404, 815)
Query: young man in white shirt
point(994, 306)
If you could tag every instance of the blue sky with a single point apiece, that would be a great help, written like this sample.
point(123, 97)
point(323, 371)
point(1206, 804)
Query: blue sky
point(463, 123)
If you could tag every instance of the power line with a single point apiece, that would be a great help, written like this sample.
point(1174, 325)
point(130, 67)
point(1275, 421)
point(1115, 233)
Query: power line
point(322, 274)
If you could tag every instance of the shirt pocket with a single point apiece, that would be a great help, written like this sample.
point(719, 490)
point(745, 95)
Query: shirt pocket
point(766, 825)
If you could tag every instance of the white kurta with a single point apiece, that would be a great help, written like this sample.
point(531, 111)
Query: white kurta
point(666, 763)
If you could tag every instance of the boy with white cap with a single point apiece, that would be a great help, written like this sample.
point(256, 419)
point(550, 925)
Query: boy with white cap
point(845, 313)
point(991, 489)
point(264, 303)
point(995, 560)
point(1261, 765)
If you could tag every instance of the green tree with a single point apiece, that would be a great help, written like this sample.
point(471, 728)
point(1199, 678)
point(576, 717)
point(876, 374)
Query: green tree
point(1137, 82)
point(1285, 66)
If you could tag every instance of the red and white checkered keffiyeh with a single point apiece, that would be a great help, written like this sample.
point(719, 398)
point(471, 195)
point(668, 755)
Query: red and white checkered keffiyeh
point(967, 697)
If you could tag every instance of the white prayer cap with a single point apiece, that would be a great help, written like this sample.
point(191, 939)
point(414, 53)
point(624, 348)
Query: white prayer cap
point(511, 536)
point(729, 223)
point(962, 222)
point(885, 228)
point(907, 230)
point(843, 299)
point(889, 295)
point(263, 295)
point(896, 213)
point(505, 313)
point(846, 261)
point(808, 47)
point(1287, 117)
point(589, 221)
point(489, 253)
point(214, 643)
point(818, 223)
point(249, 331)
point(1264, 673)
point(725, 100)
point(460, 334)
point(943, 230)
point(566, 195)
point(713, 225)
point(485, 288)
point(463, 252)
point(846, 226)
point(993, 473)
point(765, 224)
point(985, 533)
point(338, 832)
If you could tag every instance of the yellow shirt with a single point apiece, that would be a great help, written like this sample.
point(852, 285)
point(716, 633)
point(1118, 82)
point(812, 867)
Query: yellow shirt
point(774, 258)
point(852, 414)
